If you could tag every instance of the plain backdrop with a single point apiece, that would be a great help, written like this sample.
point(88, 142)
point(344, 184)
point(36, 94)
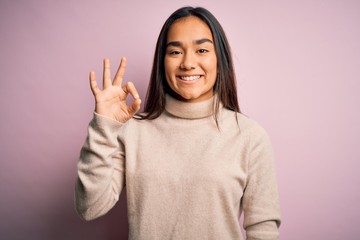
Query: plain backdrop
point(297, 65)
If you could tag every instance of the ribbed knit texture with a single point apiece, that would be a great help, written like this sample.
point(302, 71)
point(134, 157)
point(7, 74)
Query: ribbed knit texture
point(185, 177)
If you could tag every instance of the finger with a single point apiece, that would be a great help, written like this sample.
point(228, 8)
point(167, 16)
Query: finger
point(93, 84)
point(134, 107)
point(106, 74)
point(120, 72)
point(129, 87)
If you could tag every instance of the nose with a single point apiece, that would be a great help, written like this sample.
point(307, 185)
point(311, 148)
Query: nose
point(188, 62)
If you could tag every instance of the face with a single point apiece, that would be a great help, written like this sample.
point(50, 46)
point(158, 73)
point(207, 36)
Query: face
point(190, 60)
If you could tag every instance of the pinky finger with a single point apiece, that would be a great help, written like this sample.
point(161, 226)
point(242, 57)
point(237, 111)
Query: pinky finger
point(93, 84)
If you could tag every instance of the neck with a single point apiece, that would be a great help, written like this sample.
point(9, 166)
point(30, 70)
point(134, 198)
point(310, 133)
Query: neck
point(189, 110)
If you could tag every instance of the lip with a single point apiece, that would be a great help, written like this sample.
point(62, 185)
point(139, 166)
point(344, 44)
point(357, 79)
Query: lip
point(187, 78)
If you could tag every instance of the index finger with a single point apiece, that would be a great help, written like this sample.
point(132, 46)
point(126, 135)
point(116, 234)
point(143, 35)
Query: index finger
point(120, 72)
point(106, 73)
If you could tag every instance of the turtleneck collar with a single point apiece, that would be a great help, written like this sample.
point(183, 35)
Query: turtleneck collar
point(189, 110)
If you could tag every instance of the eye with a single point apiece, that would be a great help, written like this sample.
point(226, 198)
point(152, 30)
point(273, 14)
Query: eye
point(174, 52)
point(203, 51)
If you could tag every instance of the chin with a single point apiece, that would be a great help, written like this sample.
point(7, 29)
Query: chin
point(183, 97)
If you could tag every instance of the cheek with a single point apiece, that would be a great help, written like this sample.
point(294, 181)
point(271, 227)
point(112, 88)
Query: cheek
point(168, 65)
point(211, 66)
point(211, 63)
point(167, 69)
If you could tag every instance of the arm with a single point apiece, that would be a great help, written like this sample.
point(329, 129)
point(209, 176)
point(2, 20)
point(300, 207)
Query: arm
point(101, 169)
point(261, 199)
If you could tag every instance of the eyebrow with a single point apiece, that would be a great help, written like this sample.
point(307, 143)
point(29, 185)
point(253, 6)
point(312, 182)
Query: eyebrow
point(197, 42)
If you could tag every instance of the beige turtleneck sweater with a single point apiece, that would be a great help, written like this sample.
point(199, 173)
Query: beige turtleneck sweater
point(185, 178)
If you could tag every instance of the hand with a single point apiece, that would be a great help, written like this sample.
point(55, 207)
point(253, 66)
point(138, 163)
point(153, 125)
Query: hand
point(111, 101)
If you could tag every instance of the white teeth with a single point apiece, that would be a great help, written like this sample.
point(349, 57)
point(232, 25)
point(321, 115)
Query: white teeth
point(189, 78)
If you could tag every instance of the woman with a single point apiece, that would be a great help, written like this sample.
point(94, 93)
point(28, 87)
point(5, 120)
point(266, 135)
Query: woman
point(192, 163)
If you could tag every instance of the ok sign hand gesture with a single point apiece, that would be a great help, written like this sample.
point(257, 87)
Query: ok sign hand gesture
point(111, 101)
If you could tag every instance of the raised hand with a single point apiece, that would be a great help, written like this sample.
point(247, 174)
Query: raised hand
point(111, 101)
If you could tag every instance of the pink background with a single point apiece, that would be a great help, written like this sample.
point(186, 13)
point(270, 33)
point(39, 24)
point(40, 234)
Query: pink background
point(298, 68)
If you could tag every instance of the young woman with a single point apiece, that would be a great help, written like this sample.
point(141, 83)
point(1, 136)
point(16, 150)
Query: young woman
point(191, 163)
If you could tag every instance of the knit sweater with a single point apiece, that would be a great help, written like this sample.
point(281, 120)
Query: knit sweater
point(185, 177)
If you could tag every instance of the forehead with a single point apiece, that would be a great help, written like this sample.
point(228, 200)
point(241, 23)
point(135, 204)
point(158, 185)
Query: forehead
point(189, 28)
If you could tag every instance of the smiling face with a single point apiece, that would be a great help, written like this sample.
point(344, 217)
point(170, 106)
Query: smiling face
point(190, 60)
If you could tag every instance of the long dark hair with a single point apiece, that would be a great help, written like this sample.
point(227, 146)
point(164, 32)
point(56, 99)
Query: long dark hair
point(225, 85)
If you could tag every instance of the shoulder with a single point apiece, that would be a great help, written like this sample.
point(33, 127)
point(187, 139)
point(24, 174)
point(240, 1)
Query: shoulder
point(251, 125)
point(248, 128)
point(244, 122)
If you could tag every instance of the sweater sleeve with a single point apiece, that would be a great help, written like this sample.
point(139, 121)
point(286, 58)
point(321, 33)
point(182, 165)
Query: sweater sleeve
point(261, 198)
point(101, 169)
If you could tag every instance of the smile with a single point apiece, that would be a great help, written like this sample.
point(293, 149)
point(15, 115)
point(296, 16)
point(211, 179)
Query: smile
point(189, 78)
